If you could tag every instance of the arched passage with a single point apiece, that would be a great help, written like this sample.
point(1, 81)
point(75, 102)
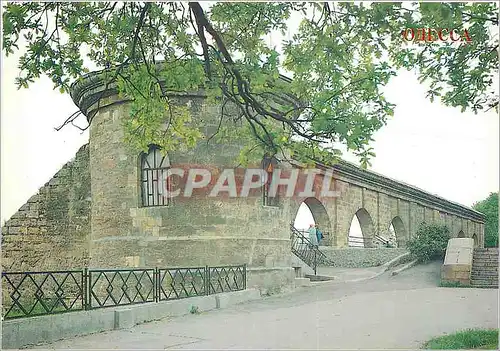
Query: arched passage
point(312, 211)
point(461, 234)
point(397, 232)
point(474, 237)
point(361, 229)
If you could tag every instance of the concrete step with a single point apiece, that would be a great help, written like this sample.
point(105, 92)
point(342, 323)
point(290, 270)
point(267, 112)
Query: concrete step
point(484, 263)
point(482, 259)
point(485, 258)
point(483, 266)
point(485, 271)
point(488, 254)
point(486, 249)
point(481, 286)
point(485, 286)
point(483, 282)
point(488, 259)
point(484, 274)
point(318, 278)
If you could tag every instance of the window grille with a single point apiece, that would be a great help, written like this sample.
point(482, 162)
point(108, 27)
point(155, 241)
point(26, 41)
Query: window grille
point(154, 178)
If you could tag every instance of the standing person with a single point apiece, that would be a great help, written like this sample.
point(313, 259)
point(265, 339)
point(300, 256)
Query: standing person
point(319, 235)
point(313, 238)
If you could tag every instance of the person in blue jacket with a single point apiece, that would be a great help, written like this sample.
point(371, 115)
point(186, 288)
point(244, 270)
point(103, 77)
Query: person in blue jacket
point(319, 235)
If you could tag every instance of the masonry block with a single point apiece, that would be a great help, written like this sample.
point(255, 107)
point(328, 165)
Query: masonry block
point(124, 318)
point(458, 261)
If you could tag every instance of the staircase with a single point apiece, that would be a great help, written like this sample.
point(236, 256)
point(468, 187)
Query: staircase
point(485, 268)
point(303, 249)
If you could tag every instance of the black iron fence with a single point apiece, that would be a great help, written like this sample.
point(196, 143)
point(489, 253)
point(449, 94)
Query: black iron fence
point(27, 294)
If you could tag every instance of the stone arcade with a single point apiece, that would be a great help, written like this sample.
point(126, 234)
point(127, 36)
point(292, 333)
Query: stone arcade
point(93, 212)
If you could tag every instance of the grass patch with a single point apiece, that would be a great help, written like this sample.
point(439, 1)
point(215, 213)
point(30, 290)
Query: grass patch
point(482, 339)
point(35, 308)
point(454, 285)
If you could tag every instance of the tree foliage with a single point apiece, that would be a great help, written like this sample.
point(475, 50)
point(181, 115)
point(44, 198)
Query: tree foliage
point(429, 243)
point(489, 207)
point(339, 56)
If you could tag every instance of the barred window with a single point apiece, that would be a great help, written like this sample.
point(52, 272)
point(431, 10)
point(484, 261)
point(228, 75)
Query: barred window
point(269, 165)
point(154, 178)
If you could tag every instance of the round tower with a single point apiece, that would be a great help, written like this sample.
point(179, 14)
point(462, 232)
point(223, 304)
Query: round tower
point(132, 227)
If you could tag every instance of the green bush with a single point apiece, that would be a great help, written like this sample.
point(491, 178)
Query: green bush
point(489, 207)
point(429, 243)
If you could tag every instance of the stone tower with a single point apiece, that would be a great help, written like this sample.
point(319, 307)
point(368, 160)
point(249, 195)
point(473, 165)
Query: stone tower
point(128, 230)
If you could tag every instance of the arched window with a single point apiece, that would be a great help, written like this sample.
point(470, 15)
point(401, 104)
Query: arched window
point(154, 178)
point(269, 165)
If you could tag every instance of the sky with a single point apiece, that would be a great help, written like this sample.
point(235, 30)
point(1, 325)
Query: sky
point(436, 148)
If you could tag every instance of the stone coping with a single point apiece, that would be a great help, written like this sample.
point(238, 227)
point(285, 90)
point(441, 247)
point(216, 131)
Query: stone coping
point(381, 183)
point(87, 90)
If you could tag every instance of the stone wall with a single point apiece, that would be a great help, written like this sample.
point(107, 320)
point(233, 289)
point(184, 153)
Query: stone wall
point(359, 257)
point(51, 230)
point(189, 231)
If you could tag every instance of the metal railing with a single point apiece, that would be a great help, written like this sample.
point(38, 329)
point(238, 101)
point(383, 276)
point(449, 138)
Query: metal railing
point(385, 242)
point(356, 241)
point(27, 294)
point(38, 293)
point(303, 248)
point(117, 287)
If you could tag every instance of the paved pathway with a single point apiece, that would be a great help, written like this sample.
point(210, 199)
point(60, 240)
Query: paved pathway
point(348, 274)
point(383, 313)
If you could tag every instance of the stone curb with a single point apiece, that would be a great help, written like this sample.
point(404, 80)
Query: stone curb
point(25, 332)
point(405, 267)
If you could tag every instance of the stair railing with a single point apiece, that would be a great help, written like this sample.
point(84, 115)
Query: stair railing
point(305, 250)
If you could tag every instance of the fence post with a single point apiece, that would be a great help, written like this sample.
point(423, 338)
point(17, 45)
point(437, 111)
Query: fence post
point(245, 276)
point(86, 287)
point(207, 280)
point(156, 288)
point(315, 261)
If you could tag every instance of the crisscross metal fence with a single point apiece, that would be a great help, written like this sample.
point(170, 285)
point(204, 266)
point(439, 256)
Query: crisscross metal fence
point(120, 287)
point(27, 294)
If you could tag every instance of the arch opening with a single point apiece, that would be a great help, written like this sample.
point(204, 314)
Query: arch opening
point(361, 230)
point(396, 233)
point(461, 234)
point(474, 237)
point(312, 211)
